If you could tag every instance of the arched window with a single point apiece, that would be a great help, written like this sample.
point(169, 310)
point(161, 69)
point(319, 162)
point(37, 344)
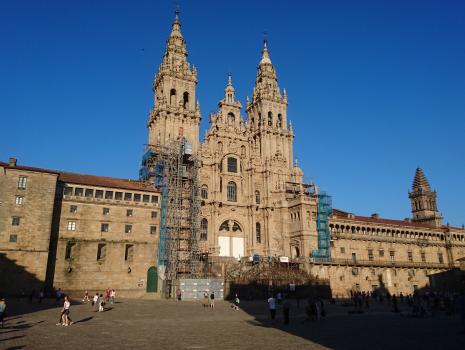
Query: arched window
point(230, 98)
point(257, 197)
point(185, 99)
point(232, 165)
point(258, 233)
point(224, 226)
point(203, 229)
point(232, 191)
point(270, 119)
point(172, 97)
point(279, 123)
point(231, 118)
point(204, 192)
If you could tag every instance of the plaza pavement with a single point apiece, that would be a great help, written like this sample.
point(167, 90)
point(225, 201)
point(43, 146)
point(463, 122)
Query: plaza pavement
point(157, 324)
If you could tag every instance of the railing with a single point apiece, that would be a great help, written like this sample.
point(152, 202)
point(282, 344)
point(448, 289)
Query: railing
point(383, 263)
point(358, 236)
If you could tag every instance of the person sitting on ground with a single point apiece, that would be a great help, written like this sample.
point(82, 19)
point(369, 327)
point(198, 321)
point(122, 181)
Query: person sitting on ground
point(236, 302)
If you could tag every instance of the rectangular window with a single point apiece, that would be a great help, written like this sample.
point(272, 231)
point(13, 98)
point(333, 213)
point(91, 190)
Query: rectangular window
point(106, 211)
point(19, 200)
point(370, 254)
point(78, 191)
point(423, 256)
point(154, 199)
point(89, 192)
point(153, 230)
point(381, 253)
point(73, 208)
point(354, 257)
point(69, 250)
point(71, 225)
point(343, 250)
point(98, 193)
point(154, 214)
point(145, 198)
point(15, 220)
point(127, 228)
point(232, 165)
point(392, 254)
point(108, 194)
point(410, 256)
point(127, 196)
point(137, 197)
point(118, 196)
point(129, 212)
point(129, 253)
point(68, 191)
point(104, 227)
point(22, 182)
point(13, 238)
point(440, 258)
point(101, 251)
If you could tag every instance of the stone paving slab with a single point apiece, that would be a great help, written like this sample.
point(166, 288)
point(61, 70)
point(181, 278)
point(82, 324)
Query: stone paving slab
point(158, 324)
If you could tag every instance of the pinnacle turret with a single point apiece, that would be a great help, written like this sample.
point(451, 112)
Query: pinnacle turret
point(420, 181)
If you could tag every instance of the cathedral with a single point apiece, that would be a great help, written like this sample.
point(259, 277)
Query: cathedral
point(85, 232)
point(250, 187)
point(255, 202)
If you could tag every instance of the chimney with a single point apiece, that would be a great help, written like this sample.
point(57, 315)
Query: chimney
point(375, 216)
point(12, 161)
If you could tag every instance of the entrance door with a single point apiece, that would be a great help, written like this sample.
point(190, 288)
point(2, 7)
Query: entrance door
point(152, 280)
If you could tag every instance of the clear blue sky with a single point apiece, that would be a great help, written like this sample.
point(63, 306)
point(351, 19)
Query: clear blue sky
point(376, 88)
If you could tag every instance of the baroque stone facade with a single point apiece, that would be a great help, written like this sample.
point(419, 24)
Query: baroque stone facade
point(254, 200)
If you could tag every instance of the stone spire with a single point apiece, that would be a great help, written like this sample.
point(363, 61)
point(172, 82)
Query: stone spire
point(423, 201)
point(420, 182)
point(266, 81)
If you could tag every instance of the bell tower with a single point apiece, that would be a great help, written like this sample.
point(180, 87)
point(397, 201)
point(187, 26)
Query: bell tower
point(423, 200)
point(175, 110)
point(267, 113)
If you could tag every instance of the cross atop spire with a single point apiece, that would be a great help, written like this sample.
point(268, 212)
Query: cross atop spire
point(176, 26)
point(265, 53)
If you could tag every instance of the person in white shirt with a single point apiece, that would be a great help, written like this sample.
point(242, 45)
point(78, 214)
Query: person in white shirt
point(272, 307)
point(66, 306)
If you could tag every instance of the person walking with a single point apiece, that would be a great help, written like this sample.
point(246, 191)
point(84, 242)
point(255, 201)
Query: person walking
point(86, 297)
point(272, 307)
point(95, 299)
point(2, 311)
point(212, 300)
point(112, 296)
point(286, 310)
point(178, 294)
point(41, 296)
point(101, 303)
point(66, 321)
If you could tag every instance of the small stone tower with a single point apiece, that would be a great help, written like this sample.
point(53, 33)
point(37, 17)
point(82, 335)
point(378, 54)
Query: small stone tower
point(424, 208)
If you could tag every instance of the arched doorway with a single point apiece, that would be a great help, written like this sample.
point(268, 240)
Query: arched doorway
point(152, 280)
point(231, 239)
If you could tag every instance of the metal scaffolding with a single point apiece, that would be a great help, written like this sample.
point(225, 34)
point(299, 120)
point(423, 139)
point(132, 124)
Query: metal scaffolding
point(322, 227)
point(174, 169)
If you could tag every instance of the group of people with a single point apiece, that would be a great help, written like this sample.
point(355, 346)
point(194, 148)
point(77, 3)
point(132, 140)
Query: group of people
point(99, 300)
point(274, 302)
point(210, 297)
